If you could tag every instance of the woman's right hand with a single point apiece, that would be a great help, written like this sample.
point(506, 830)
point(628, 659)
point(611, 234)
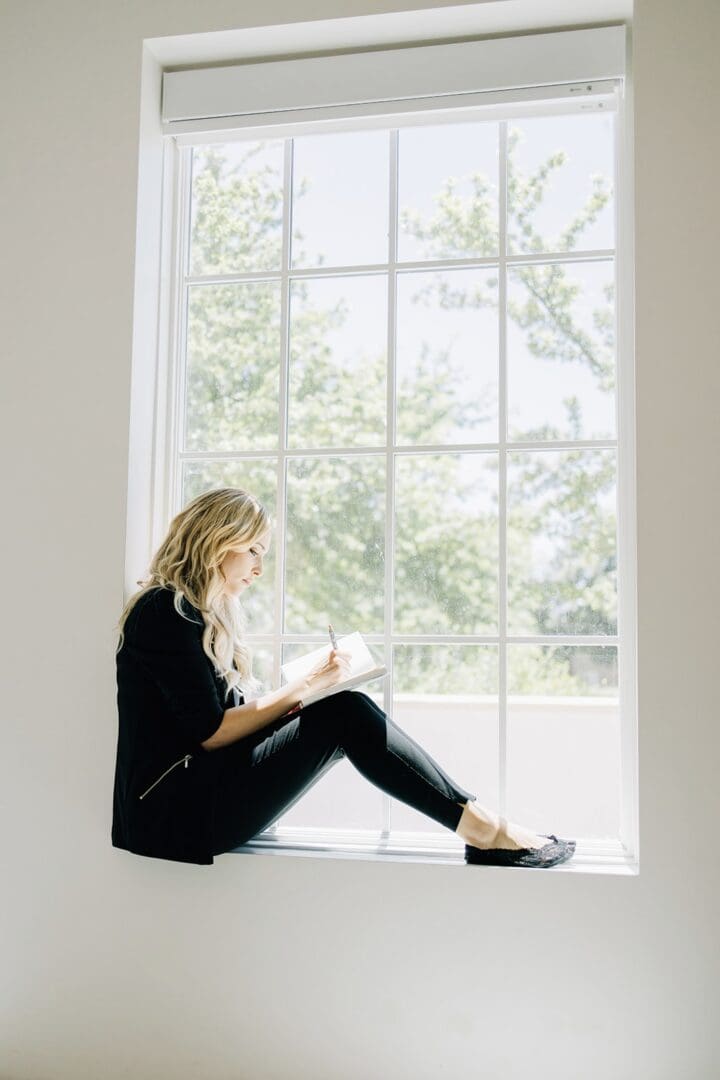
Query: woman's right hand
point(330, 671)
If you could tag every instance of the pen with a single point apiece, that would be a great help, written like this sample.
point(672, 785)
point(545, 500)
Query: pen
point(333, 639)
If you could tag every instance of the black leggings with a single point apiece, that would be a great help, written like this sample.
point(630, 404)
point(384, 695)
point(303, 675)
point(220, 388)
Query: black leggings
point(264, 774)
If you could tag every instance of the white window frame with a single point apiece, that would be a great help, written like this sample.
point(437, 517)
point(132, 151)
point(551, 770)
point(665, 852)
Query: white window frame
point(180, 132)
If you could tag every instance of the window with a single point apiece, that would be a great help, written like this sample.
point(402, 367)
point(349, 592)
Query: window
point(395, 322)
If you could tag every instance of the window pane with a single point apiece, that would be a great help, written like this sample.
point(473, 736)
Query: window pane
point(563, 761)
point(340, 199)
point(341, 798)
point(561, 352)
point(562, 542)
point(448, 191)
point(335, 561)
point(560, 183)
point(445, 697)
point(262, 668)
point(447, 357)
point(338, 361)
point(259, 477)
point(233, 367)
point(236, 212)
point(446, 544)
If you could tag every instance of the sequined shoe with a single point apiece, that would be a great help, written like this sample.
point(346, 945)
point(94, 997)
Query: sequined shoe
point(550, 854)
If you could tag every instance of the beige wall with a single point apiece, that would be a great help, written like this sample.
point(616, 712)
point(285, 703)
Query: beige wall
point(261, 967)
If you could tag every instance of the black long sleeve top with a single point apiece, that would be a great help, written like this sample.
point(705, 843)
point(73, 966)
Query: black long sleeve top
point(170, 699)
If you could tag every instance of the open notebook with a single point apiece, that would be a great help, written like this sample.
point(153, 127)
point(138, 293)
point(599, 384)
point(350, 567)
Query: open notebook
point(362, 666)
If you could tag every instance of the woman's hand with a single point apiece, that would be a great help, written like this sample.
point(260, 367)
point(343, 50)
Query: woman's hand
point(329, 672)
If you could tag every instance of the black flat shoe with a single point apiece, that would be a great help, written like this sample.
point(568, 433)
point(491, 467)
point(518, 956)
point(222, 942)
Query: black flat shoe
point(551, 854)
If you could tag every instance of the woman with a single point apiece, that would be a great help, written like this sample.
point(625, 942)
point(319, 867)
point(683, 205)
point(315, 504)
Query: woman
point(198, 774)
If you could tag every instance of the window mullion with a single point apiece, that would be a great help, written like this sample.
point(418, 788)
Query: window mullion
point(283, 411)
point(390, 443)
point(502, 470)
point(525, 258)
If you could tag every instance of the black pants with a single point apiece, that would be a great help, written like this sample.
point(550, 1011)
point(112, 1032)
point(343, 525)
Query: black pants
point(264, 774)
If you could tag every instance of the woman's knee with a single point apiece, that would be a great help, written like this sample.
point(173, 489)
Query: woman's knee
point(361, 720)
point(355, 699)
point(353, 703)
point(317, 722)
point(348, 717)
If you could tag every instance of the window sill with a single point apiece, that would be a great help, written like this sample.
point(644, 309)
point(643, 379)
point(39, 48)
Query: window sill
point(591, 857)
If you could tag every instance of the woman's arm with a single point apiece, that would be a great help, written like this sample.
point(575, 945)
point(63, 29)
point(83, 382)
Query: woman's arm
point(243, 720)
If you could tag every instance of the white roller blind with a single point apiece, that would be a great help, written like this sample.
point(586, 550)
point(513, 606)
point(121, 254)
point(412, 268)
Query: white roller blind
point(278, 91)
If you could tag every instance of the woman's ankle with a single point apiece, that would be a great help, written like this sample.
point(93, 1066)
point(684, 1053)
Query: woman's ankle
point(478, 826)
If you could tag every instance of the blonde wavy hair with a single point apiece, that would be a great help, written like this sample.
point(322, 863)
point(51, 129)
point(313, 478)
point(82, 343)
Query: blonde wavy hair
point(188, 561)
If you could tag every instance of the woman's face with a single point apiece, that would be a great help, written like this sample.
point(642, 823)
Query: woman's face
point(243, 564)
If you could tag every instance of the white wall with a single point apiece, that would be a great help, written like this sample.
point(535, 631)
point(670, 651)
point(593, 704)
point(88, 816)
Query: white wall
point(263, 967)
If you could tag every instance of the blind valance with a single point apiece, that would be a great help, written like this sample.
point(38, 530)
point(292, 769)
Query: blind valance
point(386, 81)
